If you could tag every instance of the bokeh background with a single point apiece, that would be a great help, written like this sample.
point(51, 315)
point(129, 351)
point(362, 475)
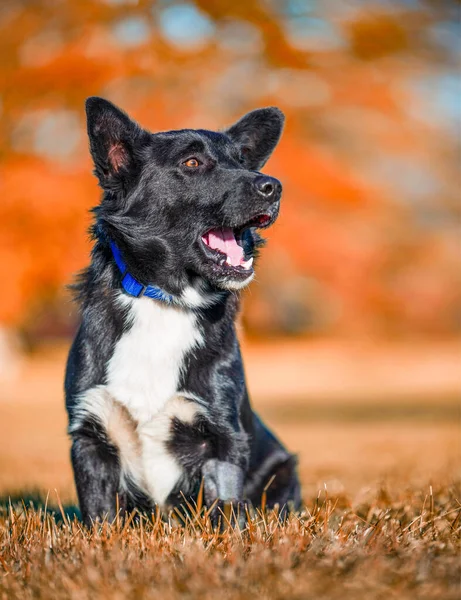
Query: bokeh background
point(351, 330)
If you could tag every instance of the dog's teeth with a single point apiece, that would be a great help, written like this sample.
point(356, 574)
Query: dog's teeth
point(247, 264)
point(228, 261)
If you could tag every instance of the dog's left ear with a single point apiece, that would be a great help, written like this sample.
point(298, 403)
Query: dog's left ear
point(258, 133)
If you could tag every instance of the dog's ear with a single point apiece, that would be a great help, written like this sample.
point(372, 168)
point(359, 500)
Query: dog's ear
point(257, 133)
point(114, 139)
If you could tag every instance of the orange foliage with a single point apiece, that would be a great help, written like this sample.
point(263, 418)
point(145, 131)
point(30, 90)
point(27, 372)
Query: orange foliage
point(43, 234)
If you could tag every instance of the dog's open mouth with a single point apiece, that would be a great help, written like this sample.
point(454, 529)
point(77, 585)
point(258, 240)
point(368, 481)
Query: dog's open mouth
point(224, 245)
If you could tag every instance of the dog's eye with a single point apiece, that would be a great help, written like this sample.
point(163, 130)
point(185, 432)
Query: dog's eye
point(192, 163)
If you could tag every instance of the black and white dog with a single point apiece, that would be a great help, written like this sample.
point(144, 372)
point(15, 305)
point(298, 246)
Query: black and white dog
point(155, 386)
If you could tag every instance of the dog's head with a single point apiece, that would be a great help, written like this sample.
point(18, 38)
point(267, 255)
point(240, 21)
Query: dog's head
point(184, 206)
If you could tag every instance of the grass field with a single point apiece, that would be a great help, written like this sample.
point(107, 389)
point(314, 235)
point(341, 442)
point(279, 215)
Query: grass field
point(380, 477)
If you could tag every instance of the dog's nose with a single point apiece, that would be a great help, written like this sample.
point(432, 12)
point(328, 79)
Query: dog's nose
point(265, 185)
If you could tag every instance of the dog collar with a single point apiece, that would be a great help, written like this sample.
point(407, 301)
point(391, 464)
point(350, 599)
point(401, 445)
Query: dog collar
point(132, 285)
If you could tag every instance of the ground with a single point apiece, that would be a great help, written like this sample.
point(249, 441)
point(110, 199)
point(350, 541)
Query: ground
point(378, 439)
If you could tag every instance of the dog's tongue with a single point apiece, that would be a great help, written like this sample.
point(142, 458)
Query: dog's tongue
point(223, 239)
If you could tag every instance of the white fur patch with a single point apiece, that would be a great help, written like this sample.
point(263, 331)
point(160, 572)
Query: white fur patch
point(161, 471)
point(144, 370)
point(140, 399)
point(237, 285)
point(198, 298)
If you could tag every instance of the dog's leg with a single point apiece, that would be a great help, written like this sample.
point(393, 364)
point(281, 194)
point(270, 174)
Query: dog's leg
point(272, 472)
point(281, 485)
point(223, 481)
point(223, 486)
point(97, 476)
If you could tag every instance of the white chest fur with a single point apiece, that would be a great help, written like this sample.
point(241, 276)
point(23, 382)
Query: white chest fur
point(140, 398)
point(145, 368)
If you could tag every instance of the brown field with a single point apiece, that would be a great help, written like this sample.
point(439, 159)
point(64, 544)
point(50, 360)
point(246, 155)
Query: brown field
point(378, 438)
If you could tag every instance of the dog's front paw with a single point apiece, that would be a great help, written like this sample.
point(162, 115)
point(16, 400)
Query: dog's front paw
point(233, 513)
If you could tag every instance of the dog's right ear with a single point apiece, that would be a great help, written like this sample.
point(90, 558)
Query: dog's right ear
point(114, 139)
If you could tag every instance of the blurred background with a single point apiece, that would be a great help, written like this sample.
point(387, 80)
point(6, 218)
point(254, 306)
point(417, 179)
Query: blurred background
point(351, 330)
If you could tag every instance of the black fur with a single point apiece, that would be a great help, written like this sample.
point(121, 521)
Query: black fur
point(98, 481)
point(156, 209)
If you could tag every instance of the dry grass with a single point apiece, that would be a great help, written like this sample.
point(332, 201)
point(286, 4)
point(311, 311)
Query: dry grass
point(403, 547)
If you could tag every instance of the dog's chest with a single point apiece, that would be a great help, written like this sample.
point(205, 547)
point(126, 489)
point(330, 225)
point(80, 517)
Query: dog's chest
point(146, 365)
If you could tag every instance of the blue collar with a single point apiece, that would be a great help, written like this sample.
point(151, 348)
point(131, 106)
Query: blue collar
point(132, 285)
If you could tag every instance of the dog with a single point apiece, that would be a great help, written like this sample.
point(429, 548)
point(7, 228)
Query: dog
point(155, 387)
